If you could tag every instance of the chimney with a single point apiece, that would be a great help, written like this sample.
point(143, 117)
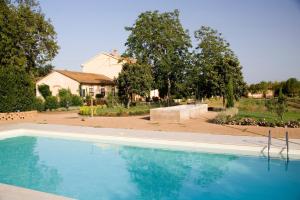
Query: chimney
point(115, 52)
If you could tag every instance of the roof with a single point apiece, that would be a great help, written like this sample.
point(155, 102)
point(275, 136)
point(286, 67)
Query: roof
point(86, 78)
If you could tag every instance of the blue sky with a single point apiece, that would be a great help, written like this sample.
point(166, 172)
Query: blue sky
point(265, 34)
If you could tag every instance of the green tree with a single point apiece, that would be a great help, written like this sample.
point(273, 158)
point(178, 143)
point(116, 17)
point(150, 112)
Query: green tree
point(214, 64)
point(280, 105)
point(229, 94)
point(44, 70)
point(16, 90)
point(28, 40)
point(134, 79)
point(292, 87)
point(44, 90)
point(160, 41)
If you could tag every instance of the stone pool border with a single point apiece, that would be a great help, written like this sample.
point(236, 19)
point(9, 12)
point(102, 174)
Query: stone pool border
point(10, 192)
point(212, 143)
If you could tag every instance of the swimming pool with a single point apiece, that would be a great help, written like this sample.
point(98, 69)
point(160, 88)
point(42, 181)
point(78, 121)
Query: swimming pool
point(87, 170)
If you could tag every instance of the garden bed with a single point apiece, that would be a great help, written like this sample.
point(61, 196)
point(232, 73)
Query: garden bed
point(116, 111)
point(253, 112)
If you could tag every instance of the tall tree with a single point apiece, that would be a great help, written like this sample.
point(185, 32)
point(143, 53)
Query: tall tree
point(27, 43)
point(229, 94)
point(292, 87)
point(215, 63)
point(134, 79)
point(28, 40)
point(159, 40)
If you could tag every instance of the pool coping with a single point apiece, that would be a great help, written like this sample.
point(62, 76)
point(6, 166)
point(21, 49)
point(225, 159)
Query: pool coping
point(204, 142)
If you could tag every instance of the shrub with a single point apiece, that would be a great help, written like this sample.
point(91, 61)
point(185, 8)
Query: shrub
point(112, 100)
point(39, 104)
point(16, 90)
point(65, 98)
point(51, 103)
point(44, 90)
point(224, 117)
point(155, 99)
point(99, 96)
point(76, 100)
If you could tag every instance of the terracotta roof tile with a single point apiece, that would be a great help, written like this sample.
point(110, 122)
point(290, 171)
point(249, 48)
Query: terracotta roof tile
point(87, 78)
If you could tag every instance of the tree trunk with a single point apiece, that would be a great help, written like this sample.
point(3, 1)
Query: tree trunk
point(223, 101)
point(128, 103)
point(169, 91)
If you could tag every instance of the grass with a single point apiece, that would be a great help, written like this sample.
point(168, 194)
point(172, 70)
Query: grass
point(116, 111)
point(268, 116)
point(255, 109)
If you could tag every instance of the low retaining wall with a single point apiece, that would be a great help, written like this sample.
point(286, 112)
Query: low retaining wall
point(17, 115)
point(178, 113)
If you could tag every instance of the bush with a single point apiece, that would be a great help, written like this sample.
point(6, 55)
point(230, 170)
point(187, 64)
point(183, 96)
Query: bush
point(51, 103)
point(16, 90)
point(65, 98)
point(155, 99)
point(39, 104)
point(112, 100)
point(225, 116)
point(44, 90)
point(76, 100)
point(99, 96)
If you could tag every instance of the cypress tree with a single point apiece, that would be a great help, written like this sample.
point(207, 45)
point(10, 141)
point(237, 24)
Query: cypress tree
point(229, 94)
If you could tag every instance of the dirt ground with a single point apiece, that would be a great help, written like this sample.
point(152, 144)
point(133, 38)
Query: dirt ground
point(200, 125)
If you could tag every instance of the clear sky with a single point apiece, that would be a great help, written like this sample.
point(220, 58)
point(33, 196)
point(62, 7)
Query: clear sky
point(265, 34)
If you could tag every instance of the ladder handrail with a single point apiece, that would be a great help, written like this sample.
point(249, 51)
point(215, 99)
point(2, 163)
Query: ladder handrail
point(269, 141)
point(287, 141)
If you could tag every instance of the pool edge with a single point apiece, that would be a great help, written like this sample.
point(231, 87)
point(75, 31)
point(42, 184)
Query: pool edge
point(120, 136)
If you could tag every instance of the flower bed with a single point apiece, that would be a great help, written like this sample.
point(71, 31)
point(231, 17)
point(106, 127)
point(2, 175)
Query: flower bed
point(253, 122)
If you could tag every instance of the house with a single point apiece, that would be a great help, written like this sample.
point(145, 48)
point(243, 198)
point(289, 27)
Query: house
point(108, 64)
point(97, 76)
point(78, 82)
point(259, 95)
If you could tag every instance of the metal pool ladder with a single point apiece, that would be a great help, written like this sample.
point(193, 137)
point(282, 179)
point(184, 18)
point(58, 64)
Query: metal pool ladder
point(270, 143)
point(286, 147)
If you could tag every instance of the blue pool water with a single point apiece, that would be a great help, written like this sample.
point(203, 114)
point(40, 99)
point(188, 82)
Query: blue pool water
point(91, 171)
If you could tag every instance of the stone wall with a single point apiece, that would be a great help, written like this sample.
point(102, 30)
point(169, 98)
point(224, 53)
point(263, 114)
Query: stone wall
point(178, 113)
point(17, 115)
